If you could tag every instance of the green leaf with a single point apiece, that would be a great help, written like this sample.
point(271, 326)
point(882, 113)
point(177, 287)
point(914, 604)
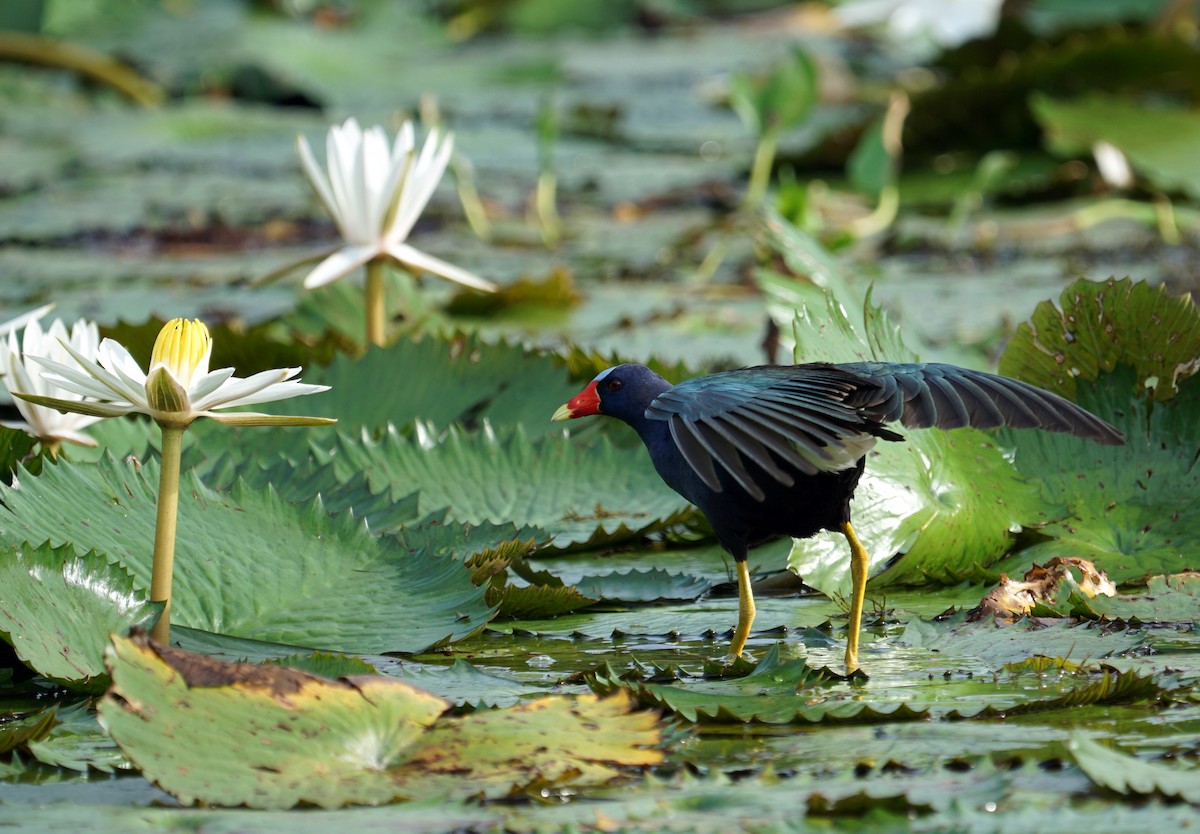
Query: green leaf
point(59, 608)
point(1166, 599)
point(946, 500)
point(1112, 687)
point(465, 685)
point(1098, 326)
point(326, 665)
point(1128, 509)
point(77, 742)
point(200, 729)
point(997, 645)
point(1129, 775)
point(269, 737)
point(1158, 139)
point(15, 446)
point(439, 381)
point(550, 483)
point(778, 99)
point(252, 565)
point(773, 693)
point(653, 585)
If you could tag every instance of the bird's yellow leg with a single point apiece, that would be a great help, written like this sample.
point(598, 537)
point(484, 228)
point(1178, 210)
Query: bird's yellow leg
point(859, 561)
point(745, 612)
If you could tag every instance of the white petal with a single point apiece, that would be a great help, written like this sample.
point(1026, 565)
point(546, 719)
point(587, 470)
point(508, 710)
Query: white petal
point(339, 264)
point(277, 391)
point(113, 356)
point(75, 380)
point(205, 385)
point(346, 176)
point(421, 182)
point(233, 392)
point(376, 175)
point(423, 262)
point(320, 182)
point(22, 320)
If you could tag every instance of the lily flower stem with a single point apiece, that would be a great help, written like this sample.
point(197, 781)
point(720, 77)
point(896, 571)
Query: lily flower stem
point(375, 305)
point(164, 531)
point(760, 171)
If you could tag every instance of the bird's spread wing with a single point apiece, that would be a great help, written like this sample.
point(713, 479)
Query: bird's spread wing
point(823, 418)
point(769, 415)
point(949, 397)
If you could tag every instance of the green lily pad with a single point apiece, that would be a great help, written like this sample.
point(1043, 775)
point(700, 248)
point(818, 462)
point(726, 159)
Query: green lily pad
point(549, 483)
point(1127, 509)
point(250, 564)
point(1129, 775)
point(326, 665)
point(1166, 599)
point(1158, 139)
point(358, 740)
point(1097, 327)
point(1000, 645)
point(653, 585)
point(77, 742)
point(59, 608)
point(196, 727)
point(947, 501)
point(774, 692)
point(465, 685)
point(440, 381)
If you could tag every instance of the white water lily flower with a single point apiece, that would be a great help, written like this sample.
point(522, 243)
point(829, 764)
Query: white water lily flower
point(178, 389)
point(375, 196)
point(48, 425)
point(922, 27)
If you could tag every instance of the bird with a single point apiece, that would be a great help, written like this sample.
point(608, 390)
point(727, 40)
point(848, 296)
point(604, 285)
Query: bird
point(777, 450)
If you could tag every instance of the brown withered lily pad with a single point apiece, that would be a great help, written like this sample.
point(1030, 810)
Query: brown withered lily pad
point(1042, 585)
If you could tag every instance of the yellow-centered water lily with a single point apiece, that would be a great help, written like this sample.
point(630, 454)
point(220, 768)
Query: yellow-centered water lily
point(178, 390)
point(49, 425)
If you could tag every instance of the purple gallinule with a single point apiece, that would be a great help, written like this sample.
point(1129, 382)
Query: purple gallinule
point(778, 450)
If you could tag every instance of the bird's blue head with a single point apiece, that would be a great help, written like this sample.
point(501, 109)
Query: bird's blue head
point(623, 391)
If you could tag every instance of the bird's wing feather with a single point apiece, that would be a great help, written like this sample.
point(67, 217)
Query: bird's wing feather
point(946, 396)
point(821, 417)
point(770, 416)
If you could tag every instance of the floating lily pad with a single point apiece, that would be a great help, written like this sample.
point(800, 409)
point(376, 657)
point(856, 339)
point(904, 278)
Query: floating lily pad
point(358, 740)
point(771, 694)
point(550, 483)
point(59, 608)
point(1097, 327)
point(313, 579)
point(441, 381)
point(946, 500)
point(1159, 140)
point(1120, 772)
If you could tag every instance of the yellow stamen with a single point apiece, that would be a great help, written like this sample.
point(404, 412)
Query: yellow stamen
point(182, 347)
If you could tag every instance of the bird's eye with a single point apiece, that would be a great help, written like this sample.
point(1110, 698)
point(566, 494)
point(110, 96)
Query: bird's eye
point(615, 385)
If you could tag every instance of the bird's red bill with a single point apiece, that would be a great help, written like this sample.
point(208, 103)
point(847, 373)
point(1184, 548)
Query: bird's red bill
point(584, 403)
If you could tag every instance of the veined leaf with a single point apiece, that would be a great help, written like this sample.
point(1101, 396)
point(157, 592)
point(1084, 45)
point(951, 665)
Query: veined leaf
point(947, 500)
point(770, 694)
point(252, 565)
point(1130, 775)
point(1128, 509)
point(59, 608)
point(1097, 327)
point(197, 727)
point(270, 737)
point(439, 382)
point(551, 483)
